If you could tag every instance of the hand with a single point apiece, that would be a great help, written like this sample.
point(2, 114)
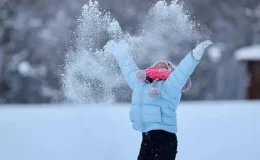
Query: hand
point(110, 46)
point(116, 48)
point(199, 50)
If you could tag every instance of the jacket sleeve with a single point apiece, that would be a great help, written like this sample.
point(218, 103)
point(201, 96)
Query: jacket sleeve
point(178, 78)
point(128, 68)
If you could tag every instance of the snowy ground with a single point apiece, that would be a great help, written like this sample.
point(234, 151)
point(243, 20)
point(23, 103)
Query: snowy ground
point(207, 131)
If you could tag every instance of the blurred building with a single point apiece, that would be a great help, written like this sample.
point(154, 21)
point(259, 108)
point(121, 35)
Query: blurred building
point(251, 57)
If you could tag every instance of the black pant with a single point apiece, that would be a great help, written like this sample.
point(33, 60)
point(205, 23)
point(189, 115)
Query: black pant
point(158, 145)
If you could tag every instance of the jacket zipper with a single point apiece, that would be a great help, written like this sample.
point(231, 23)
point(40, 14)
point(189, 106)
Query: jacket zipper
point(140, 111)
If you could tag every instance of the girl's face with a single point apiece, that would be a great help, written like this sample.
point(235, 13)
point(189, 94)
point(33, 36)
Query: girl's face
point(161, 65)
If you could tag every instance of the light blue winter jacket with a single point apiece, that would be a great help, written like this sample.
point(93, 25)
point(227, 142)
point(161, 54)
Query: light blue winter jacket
point(158, 113)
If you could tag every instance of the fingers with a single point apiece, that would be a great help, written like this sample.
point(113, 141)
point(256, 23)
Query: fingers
point(111, 43)
point(205, 44)
point(114, 47)
point(109, 46)
point(123, 44)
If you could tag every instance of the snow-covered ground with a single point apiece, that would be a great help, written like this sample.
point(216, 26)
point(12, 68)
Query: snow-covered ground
point(207, 131)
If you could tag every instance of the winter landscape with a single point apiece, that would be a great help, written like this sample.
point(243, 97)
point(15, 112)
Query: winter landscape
point(63, 95)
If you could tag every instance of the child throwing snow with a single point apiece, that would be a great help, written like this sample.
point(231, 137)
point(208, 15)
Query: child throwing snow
point(156, 95)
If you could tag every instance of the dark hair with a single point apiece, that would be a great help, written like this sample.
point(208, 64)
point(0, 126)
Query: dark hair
point(149, 80)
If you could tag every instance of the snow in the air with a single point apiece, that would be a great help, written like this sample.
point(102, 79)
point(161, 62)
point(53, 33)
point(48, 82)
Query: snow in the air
point(89, 65)
point(227, 130)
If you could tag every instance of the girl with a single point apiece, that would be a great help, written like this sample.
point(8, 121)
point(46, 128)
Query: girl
point(156, 95)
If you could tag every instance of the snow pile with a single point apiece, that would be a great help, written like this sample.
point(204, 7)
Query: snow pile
point(206, 131)
point(251, 53)
point(91, 74)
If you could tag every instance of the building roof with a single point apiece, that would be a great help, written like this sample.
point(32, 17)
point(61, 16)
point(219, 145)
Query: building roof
point(251, 53)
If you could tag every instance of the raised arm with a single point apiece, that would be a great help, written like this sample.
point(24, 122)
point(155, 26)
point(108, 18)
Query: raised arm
point(126, 63)
point(183, 71)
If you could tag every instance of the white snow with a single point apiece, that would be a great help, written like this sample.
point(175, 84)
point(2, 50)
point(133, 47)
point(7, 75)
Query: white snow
point(160, 33)
point(27, 70)
point(207, 131)
point(251, 53)
point(214, 54)
point(24, 68)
